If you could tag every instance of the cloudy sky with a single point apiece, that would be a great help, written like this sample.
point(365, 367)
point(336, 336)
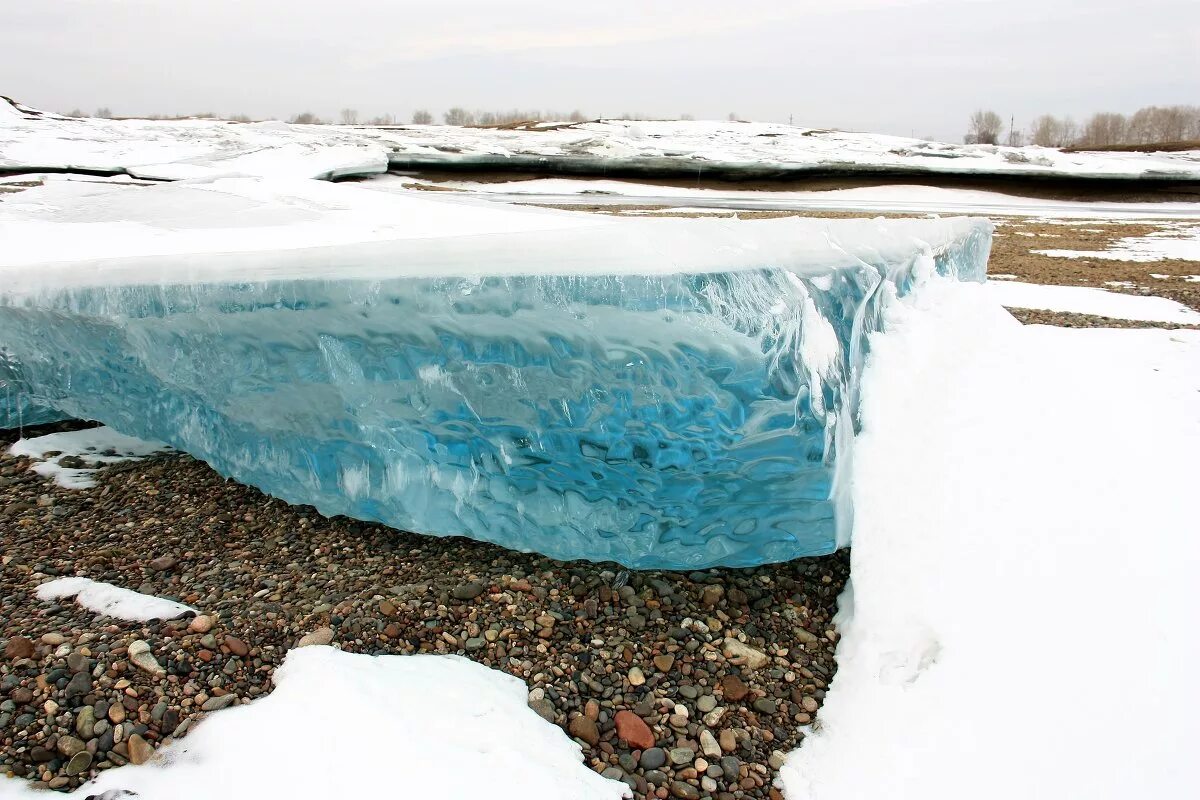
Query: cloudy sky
point(897, 66)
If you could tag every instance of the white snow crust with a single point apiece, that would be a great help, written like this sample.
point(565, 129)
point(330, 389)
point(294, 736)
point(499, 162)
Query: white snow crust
point(89, 234)
point(894, 198)
point(419, 726)
point(1088, 300)
point(99, 445)
point(195, 148)
point(112, 601)
point(1021, 616)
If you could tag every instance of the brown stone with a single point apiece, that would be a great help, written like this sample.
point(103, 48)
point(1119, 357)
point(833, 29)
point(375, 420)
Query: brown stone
point(633, 731)
point(392, 631)
point(18, 647)
point(116, 713)
point(728, 740)
point(205, 656)
point(583, 728)
point(387, 608)
point(201, 623)
point(733, 687)
point(664, 662)
point(140, 750)
point(591, 710)
point(163, 563)
point(237, 646)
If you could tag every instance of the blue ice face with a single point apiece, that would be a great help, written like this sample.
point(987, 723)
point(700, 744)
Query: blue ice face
point(18, 409)
point(664, 421)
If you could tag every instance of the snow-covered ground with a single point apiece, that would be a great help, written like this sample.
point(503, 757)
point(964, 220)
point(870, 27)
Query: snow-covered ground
point(95, 446)
point(112, 601)
point(1181, 243)
point(898, 198)
point(1022, 616)
point(404, 726)
point(1086, 300)
point(195, 148)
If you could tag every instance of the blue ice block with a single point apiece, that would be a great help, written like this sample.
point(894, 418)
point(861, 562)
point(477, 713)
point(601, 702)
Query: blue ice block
point(662, 393)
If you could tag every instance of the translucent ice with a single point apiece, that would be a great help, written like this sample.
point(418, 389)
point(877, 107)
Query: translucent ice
point(659, 392)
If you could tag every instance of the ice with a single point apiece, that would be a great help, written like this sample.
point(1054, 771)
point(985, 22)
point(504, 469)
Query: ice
point(171, 149)
point(659, 392)
point(17, 406)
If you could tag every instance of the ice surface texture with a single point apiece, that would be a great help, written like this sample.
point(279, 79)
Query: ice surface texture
point(17, 407)
point(662, 393)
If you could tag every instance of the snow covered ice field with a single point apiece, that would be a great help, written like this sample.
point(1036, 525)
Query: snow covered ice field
point(1021, 502)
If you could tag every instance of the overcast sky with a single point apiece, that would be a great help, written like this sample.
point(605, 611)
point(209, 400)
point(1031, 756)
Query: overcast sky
point(896, 66)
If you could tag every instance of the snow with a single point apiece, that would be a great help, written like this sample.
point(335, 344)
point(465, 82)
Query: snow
point(96, 233)
point(898, 198)
point(412, 726)
point(1180, 243)
point(1021, 617)
point(1087, 300)
point(112, 601)
point(192, 148)
point(101, 445)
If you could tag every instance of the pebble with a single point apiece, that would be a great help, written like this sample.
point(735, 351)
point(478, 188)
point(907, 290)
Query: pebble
point(141, 657)
point(139, 750)
point(218, 703)
point(632, 730)
point(321, 636)
point(583, 728)
point(653, 758)
point(740, 652)
point(681, 755)
point(78, 764)
point(467, 591)
point(684, 791)
point(639, 655)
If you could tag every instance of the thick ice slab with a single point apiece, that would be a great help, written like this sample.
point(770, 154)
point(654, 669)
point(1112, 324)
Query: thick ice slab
point(661, 392)
point(195, 148)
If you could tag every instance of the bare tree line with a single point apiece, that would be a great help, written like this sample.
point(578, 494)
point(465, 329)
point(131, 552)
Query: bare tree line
point(1149, 125)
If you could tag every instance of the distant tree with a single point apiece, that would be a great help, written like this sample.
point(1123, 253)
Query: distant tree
point(76, 112)
point(241, 118)
point(422, 117)
point(459, 116)
point(984, 128)
point(576, 116)
point(484, 118)
point(349, 116)
point(1103, 129)
point(104, 113)
point(306, 118)
point(686, 117)
point(1047, 131)
point(382, 119)
point(1015, 137)
point(733, 117)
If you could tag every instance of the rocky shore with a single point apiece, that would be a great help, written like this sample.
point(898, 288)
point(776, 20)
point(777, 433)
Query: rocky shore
point(681, 685)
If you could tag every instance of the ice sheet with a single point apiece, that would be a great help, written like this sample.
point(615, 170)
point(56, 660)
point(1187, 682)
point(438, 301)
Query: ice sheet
point(663, 393)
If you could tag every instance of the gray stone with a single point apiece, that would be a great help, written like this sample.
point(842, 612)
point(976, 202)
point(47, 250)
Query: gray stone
point(543, 708)
point(764, 705)
point(467, 591)
point(218, 703)
point(681, 756)
point(79, 685)
point(79, 763)
point(85, 722)
point(653, 758)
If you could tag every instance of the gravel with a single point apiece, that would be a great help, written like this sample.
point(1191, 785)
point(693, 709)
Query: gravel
point(683, 685)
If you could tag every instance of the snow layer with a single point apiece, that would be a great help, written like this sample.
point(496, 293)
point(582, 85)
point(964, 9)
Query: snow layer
point(1087, 300)
point(112, 601)
point(1000, 579)
point(194, 148)
point(425, 726)
point(896, 198)
point(99, 446)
